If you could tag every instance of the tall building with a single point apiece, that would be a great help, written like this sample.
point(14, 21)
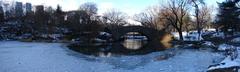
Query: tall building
point(18, 9)
point(28, 7)
point(1, 3)
point(6, 6)
point(1, 9)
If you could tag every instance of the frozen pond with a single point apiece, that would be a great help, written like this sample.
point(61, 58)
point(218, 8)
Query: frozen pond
point(56, 57)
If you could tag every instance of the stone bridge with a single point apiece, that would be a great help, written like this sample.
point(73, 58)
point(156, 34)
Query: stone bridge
point(150, 33)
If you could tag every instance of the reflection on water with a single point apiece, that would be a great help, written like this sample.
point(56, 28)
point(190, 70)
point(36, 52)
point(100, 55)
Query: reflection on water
point(129, 47)
point(166, 41)
point(104, 54)
point(137, 45)
point(134, 44)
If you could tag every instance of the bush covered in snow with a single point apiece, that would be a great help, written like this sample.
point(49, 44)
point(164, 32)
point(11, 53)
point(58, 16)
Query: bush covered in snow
point(227, 65)
point(232, 61)
point(224, 47)
point(236, 40)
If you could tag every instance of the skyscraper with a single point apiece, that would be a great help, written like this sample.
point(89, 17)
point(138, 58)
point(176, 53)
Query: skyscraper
point(18, 9)
point(1, 9)
point(28, 7)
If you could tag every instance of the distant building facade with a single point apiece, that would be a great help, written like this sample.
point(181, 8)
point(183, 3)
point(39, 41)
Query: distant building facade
point(18, 9)
point(28, 7)
point(1, 9)
point(7, 7)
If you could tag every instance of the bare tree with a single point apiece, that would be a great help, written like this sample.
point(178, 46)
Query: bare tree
point(196, 4)
point(83, 23)
point(115, 17)
point(204, 17)
point(89, 7)
point(188, 26)
point(150, 17)
point(175, 13)
point(88, 21)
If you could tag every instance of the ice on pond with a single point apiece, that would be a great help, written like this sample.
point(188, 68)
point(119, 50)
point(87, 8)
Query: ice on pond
point(56, 57)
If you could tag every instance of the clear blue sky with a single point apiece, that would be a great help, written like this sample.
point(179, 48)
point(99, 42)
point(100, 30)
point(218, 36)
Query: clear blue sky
point(128, 6)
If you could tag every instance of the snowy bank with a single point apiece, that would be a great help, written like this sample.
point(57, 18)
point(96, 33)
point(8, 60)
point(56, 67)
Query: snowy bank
point(226, 63)
point(224, 47)
point(191, 36)
point(236, 40)
point(55, 57)
point(232, 61)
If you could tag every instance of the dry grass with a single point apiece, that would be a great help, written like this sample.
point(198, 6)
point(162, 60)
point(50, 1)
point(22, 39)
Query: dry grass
point(167, 38)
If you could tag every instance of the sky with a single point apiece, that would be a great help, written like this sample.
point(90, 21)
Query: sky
point(130, 7)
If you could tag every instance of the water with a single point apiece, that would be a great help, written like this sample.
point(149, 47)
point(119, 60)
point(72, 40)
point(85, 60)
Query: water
point(134, 44)
point(126, 47)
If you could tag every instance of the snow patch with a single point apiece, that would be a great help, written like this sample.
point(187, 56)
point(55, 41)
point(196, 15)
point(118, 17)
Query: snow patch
point(208, 43)
point(221, 35)
point(232, 59)
point(191, 36)
point(224, 47)
point(226, 63)
point(236, 40)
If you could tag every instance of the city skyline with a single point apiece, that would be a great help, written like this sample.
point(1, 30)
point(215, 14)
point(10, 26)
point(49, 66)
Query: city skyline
point(130, 7)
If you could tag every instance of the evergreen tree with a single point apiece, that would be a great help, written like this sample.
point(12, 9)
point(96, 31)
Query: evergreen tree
point(228, 17)
point(59, 9)
point(59, 19)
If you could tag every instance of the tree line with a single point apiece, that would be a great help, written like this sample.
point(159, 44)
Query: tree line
point(175, 16)
point(188, 15)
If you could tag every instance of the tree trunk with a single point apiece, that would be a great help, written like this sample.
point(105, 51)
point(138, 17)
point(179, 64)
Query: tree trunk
point(180, 34)
point(198, 23)
point(199, 34)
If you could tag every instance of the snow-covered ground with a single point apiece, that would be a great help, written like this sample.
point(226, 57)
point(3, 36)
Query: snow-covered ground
point(231, 60)
point(56, 57)
point(193, 35)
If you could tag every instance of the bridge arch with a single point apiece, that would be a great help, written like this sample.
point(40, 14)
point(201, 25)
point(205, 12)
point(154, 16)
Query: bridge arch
point(150, 33)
